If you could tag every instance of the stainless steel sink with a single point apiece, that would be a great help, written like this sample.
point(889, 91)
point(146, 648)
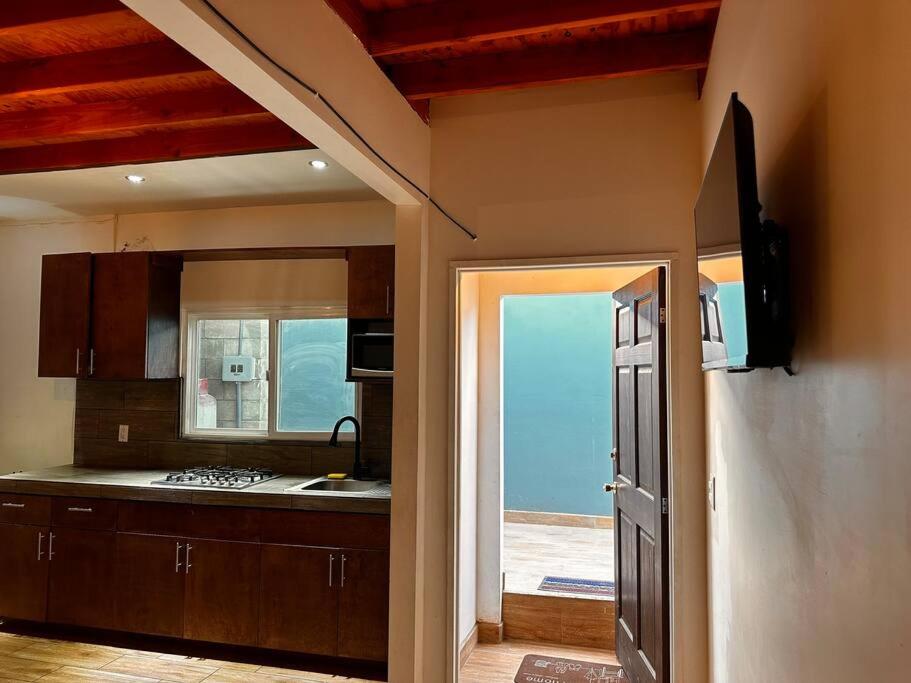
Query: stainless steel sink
point(344, 485)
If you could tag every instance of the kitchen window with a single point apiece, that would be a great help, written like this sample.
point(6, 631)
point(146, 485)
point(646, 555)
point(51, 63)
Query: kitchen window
point(261, 374)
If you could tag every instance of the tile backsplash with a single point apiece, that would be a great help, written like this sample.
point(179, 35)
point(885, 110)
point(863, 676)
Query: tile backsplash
point(151, 408)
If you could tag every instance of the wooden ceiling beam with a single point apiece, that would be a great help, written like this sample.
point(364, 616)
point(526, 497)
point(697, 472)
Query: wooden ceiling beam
point(442, 24)
point(542, 66)
point(18, 16)
point(155, 146)
point(96, 69)
point(99, 119)
point(351, 12)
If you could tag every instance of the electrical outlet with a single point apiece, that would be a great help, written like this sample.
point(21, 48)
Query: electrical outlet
point(123, 434)
point(712, 492)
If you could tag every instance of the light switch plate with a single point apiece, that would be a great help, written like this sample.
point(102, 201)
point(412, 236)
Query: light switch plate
point(123, 434)
point(712, 492)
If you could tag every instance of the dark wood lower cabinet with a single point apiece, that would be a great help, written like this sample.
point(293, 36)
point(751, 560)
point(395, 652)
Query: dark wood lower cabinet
point(299, 610)
point(81, 577)
point(149, 586)
point(23, 571)
point(222, 592)
point(266, 581)
point(363, 606)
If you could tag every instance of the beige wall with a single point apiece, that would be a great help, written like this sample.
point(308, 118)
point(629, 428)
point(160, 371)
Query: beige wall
point(36, 415)
point(272, 284)
point(810, 554)
point(599, 168)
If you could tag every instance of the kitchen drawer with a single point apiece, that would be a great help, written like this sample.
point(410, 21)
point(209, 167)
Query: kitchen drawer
point(325, 529)
point(84, 513)
point(19, 509)
point(193, 521)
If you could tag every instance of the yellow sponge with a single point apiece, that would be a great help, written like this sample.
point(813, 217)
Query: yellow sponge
point(337, 475)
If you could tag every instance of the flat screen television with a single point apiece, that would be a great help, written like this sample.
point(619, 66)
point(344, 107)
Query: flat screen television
point(742, 259)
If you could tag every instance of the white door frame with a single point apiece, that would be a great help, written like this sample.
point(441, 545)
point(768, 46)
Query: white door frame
point(670, 260)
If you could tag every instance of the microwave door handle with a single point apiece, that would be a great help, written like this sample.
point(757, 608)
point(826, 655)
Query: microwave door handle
point(364, 372)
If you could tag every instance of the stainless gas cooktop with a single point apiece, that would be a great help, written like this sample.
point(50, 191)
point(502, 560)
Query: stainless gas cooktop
point(219, 477)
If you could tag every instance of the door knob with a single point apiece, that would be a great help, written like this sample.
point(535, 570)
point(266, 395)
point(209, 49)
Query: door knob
point(614, 487)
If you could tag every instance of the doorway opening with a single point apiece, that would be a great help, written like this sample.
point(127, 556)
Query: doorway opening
point(535, 440)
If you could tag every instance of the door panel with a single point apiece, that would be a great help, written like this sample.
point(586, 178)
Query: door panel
point(66, 291)
point(371, 282)
point(81, 577)
point(120, 304)
point(299, 610)
point(149, 586)
point(363, 621)
point(640, 432)
point(222, 592)
point(23, 571)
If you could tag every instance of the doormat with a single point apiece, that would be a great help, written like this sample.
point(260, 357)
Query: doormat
point(544, 669)
point(562, 584)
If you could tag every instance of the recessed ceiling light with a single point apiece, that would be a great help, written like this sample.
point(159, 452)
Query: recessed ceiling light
point(135, 179)
point(319, 164)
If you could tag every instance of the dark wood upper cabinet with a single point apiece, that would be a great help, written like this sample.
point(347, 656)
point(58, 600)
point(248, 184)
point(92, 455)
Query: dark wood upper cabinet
point(110, 316)
point(371, 282)
point(363, 604)
point(82, 575)
point(66, 295)
point(299, 611)
point(135, 316)
point(23, 571)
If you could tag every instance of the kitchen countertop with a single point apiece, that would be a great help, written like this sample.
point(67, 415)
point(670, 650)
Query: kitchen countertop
point(124, 484)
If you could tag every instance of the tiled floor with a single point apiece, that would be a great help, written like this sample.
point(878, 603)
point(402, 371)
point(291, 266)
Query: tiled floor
point(499, 663)
point(533, 551)
point(26, 658)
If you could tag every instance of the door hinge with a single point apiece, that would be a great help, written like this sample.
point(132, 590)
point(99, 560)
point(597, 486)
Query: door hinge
point(664, 506)
point(662, 315)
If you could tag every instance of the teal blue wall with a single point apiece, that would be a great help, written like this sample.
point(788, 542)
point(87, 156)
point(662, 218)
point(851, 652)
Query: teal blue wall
point(733, 321)
point(557, 432)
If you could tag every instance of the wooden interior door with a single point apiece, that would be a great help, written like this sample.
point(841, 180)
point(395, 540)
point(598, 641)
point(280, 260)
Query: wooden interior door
point(66, 293)
point(641, 482)
point(363, 615)
point(299, 610)
point(149, 585)
point(120, 306)
point(222, 592)
point(81, 577)
point(23, 571)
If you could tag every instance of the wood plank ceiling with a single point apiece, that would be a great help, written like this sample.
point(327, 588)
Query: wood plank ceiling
point(435, 48)
point(90, 83)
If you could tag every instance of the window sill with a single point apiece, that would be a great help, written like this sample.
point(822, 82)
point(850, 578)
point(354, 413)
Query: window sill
point(260, 441)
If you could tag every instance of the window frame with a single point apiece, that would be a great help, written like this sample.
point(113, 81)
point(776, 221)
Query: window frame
point(190, 361)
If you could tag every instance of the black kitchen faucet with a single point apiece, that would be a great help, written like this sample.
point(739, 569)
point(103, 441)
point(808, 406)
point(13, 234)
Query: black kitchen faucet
point(333, 441)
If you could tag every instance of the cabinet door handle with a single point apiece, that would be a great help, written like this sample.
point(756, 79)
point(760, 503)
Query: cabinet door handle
point(14, 505)
point(189, 564)
point(387, 299)
point(331, 562)
point(77, 362)
point(92, 361)
point(177, 562)
point(343, 570)
point(40, 543)
point(50, 547)
point(79, 510)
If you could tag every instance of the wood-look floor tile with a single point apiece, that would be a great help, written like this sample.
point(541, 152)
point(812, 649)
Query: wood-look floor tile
point(310, 675)
point(216, 663)
point(229, 676)
point(10, 642)
point(499, 663)
point(24, 669)
point(75, 674)
point(153, 667)
point(82, 655)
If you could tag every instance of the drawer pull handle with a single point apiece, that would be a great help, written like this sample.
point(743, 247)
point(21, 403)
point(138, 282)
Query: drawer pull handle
point(343, 570)
point(79, 510)
point(189, 564)
point(50, 547)
point(14, 505)
point(40, 543)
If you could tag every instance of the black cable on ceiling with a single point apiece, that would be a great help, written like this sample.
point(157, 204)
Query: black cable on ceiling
point(313, 91)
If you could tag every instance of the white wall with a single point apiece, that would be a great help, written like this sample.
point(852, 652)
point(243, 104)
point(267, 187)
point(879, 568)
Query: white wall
point(36, 415)
point(597, 168)
point(810, 554)
point(296, 225)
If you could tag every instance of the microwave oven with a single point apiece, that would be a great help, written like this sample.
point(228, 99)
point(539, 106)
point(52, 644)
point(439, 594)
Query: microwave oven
point(371, 355)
